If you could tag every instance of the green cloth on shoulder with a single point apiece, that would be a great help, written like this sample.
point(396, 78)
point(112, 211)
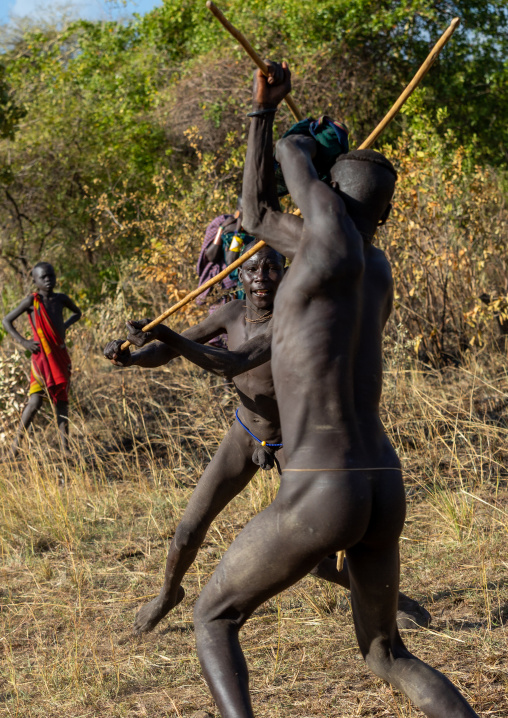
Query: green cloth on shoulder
point(332, 140)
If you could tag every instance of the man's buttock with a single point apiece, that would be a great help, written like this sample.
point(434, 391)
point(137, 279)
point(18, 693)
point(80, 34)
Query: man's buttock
point(327, 451)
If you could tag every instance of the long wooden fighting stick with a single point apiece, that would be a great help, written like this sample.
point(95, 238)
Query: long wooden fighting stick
point(431, 57)
point(367, 143)
point(251, 52)
point(203, 287)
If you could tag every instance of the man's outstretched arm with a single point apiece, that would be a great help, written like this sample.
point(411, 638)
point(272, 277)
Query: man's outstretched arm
point(262, 216)
point(159, 352)
point(226, 363)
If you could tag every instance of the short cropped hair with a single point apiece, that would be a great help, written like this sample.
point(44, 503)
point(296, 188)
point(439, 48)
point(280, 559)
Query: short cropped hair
point(253, 242)
point(42, 264)
point(369, 156)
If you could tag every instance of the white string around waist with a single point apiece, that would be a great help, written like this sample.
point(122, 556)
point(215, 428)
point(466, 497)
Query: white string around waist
point(375, 468)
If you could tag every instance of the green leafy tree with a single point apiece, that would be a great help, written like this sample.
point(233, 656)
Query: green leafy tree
point(91, 113)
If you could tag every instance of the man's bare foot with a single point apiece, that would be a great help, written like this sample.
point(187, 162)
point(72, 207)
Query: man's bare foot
point(410, 614)
point(150, 615)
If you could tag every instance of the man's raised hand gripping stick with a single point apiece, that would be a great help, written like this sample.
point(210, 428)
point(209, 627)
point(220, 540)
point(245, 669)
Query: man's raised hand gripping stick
point(365, 144)
point(297, 114)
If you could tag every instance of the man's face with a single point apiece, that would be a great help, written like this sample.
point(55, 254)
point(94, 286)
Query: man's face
point(44, 277)
point(261, 276)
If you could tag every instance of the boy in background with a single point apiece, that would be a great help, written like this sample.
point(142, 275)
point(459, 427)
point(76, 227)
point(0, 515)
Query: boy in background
point(51, 364)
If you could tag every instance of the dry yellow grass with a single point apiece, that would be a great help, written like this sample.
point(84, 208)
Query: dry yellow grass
point(83, 544)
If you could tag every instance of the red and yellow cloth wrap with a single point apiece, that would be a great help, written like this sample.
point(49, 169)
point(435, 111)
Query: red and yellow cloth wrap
point(51, 366)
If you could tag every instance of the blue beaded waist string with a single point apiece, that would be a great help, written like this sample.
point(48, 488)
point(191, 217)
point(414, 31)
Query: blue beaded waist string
point(263, 443)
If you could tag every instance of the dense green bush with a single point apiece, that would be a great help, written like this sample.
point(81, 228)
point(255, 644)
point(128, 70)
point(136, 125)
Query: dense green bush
point(120, 141)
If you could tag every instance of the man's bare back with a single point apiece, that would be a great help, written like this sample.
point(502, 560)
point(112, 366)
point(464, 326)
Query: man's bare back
point(330, 497)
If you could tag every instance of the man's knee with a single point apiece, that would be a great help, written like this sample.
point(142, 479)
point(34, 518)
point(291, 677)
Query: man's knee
point(382, 655)
point(200, 613)
point(189, 536)
point(210, 607)
point(204, 612)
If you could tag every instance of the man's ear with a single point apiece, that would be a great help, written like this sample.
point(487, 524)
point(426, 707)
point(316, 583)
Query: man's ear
point(240, 274)
point(385, 215)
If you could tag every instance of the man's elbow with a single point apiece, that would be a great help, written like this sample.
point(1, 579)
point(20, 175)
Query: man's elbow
point(283, 146)
point(252, 221)
point(287, 145)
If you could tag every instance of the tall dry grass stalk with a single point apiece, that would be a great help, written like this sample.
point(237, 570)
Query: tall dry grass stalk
point(83, 544)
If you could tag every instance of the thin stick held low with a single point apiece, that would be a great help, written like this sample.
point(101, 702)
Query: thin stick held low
point(203, 287)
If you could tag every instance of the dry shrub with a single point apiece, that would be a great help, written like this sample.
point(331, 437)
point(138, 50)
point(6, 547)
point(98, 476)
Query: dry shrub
point(13, 381)
point(211, 95)
point(446, 244)
point(171, 224)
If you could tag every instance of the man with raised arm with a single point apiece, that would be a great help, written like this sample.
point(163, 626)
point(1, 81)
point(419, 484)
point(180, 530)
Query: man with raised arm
point(240, 453)
point(254, 439)
point(342, 486)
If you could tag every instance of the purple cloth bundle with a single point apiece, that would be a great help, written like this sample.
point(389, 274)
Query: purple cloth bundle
point(205, 269)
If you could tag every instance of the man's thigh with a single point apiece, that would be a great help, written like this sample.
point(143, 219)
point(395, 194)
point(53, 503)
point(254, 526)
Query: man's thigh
point(373, 562)
point(229, 471)
point(374, 579)
point(281, 545)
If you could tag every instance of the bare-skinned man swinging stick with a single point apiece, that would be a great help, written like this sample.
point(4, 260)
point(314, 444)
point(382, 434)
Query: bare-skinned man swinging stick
point(241, 452)
point(342, 484)
point(425, 67)
point(239, 455)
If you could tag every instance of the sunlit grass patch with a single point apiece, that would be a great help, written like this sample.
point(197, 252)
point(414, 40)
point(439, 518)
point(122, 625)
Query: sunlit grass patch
point(84, 543)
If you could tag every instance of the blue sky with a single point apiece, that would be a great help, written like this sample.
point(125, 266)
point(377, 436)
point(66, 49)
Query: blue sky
point(89, 9)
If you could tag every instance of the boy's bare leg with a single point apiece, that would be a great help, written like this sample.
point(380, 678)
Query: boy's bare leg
point(27, 416)
point(226, 475)
point(62, 418)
